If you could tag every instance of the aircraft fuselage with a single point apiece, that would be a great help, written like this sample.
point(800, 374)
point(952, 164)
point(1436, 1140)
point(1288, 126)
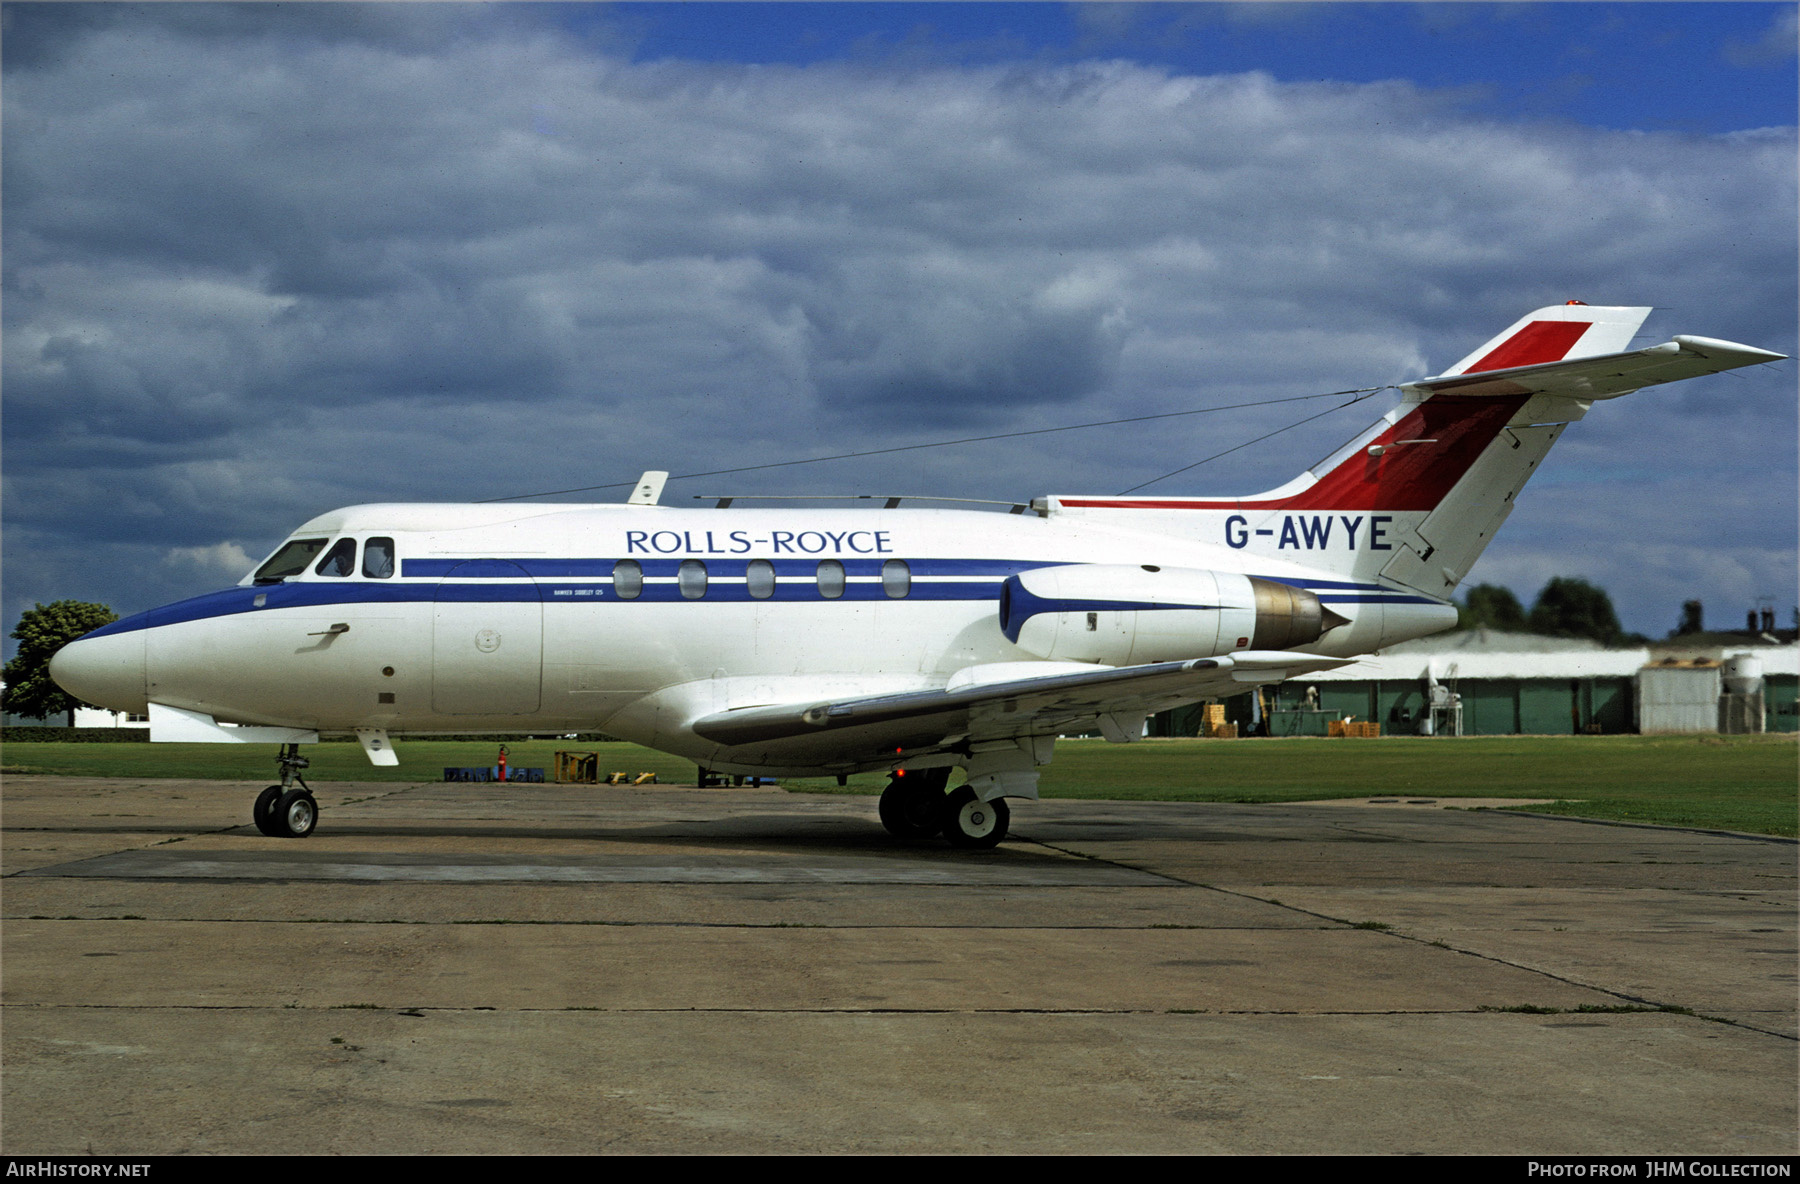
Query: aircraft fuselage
point(526, 618)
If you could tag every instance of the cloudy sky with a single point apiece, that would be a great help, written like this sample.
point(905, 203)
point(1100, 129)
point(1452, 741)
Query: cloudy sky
point(261, 261)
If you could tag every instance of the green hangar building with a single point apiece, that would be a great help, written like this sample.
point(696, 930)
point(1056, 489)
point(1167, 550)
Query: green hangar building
point(1485, 683)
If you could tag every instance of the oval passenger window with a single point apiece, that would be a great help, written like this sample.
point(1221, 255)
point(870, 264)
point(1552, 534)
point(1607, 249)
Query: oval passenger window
point(691, 578)
point(759, 578)
point(896, 579)
point(628, 579)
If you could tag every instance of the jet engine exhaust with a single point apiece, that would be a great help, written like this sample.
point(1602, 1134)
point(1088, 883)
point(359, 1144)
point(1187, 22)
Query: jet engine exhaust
point(1287, 616)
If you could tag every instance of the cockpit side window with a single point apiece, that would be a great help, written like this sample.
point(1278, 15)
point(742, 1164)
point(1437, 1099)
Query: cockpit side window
point(291, 560)
point(339, 561)
point(378, 558)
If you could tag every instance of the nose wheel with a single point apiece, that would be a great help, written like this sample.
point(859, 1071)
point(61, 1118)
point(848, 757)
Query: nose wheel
point(297, 812)
point(285, 811)
point(263, 812)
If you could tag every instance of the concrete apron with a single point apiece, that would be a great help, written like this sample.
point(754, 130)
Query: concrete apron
point(553, 968)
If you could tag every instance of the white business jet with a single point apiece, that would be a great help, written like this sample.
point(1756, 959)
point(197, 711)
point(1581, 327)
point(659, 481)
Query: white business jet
point(812, 642)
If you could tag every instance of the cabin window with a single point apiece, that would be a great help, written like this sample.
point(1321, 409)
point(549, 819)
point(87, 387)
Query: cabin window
point(759, 578)
point(628, 579)
point(831, 579)
point(378, 559)
point(339, 561)
point(896, 579)
point(291, 560)
point(690, 577)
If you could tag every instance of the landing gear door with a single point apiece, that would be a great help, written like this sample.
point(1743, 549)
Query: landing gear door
point(487, 641)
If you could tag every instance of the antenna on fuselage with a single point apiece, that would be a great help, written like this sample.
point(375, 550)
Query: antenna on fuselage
point(648, 490)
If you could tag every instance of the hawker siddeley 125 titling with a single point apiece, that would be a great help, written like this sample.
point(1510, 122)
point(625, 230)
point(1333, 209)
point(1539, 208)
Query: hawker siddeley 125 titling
point(802, 642)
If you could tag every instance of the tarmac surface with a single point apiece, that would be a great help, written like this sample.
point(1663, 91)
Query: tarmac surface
point(546, 968)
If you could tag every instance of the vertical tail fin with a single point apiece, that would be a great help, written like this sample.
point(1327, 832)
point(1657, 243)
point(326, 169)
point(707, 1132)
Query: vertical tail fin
point(1417, 497)
point(1562, 332)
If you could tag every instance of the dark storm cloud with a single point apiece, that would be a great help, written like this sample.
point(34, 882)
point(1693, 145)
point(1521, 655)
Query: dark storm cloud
point(39, 36)
point(265, 260)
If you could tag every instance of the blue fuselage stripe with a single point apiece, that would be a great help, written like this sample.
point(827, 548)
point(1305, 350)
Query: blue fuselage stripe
point(464, 569)
point(580, 581)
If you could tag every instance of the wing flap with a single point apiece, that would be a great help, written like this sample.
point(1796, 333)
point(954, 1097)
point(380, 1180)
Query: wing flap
point(1014, 707)
point(1605, 376)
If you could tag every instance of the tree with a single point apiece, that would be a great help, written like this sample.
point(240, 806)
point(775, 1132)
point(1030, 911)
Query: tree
point(40, 633)
point(1575, 608)
point(1489, 606)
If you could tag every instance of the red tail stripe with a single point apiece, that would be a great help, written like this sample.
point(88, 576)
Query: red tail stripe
point(1540, 341)
point(1452, 434)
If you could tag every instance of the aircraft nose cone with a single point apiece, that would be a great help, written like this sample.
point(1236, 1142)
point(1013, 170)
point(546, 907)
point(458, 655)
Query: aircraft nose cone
point(107, 671)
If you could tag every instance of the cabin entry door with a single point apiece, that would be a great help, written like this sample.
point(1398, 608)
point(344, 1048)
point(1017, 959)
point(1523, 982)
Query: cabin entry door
point(487, 641)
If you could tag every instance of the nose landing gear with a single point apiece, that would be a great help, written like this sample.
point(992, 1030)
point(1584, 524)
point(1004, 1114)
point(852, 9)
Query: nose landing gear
point(282, 811)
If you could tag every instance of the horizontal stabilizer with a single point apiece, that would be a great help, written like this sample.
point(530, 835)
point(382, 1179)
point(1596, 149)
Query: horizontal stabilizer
point(1606, 376)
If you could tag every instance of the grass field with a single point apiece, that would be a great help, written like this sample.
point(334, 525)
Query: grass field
point(1742, 783)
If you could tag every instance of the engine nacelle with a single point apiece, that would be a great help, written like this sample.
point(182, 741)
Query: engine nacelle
point(1121, 616)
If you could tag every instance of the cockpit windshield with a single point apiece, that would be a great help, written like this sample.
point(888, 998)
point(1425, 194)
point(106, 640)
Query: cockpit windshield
point(291, 560)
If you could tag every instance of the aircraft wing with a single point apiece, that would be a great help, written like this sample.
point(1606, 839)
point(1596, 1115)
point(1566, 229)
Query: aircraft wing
point(1607, 375)
point(1032, 706)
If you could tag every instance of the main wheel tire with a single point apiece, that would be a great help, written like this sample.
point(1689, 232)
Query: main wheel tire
point(297, 813)
point(912, 808)
point(263, 812)
point(972, 823)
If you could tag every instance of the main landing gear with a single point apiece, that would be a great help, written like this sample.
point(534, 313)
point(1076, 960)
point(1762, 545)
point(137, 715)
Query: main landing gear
point(916, 807)
point(971, 822)
point(281, 811)
point(912, 807)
